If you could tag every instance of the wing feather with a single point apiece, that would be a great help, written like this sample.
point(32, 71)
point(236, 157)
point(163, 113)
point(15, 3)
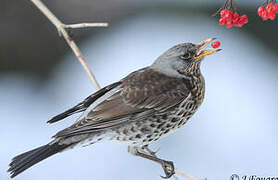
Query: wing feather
point(84, 104)
point(141, 94)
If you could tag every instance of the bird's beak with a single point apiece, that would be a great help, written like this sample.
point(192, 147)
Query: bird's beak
point(201, 54)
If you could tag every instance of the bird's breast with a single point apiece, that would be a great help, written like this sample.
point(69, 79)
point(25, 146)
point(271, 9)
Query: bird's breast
point(200, 89)
point(193, 101)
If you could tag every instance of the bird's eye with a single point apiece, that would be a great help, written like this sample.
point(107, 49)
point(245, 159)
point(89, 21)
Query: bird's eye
point(186, 56)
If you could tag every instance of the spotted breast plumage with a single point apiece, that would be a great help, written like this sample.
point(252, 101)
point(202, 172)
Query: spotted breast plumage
point(141, 108)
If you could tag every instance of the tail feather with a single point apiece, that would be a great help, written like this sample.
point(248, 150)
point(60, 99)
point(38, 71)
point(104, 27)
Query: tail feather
point(23, 156)
point(24, 161)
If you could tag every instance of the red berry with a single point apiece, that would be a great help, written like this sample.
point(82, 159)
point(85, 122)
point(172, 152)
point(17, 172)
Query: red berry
point(239, 24)
point(275, 7)
point(222, 21)
point(272, 16)
point(223, 12)
point(260, 10)
point(229, 14)
point(236, 18)
point(269, 10)
point(269, 6)
point(235, 15)
point(244, 18)
point(264, 15)
point(215, 44)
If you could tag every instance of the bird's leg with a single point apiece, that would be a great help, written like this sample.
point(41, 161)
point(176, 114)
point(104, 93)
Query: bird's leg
point(152, 153)
point(168, 166)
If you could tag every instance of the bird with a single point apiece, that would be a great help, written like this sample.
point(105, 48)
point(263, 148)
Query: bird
point(141, 108)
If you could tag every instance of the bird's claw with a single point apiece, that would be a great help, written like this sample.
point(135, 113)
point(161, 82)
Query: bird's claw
point(169, 170)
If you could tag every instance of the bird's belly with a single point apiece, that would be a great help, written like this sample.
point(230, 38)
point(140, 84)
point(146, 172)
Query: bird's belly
point(143, 132)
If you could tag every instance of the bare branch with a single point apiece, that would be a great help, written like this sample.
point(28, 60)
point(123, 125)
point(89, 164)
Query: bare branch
point(85, 25)
point(62, 31)
point(186, 175)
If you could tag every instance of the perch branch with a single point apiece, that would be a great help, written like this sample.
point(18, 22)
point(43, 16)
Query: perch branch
point(61, 28)
point(186, 175)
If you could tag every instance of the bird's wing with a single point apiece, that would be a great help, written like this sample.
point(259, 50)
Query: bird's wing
point(140, 95)
point(82, 106)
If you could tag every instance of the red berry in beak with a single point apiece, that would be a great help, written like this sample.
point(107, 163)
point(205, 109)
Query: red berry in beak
point(215, 44)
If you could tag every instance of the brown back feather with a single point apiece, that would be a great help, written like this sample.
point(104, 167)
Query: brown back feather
point(142, 93)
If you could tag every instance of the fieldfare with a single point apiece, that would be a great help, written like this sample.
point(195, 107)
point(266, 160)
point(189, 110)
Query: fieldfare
point(143, 107)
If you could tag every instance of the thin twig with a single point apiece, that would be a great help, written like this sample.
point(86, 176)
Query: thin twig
point(62, 31)
point(84, 25)
point(186, 175)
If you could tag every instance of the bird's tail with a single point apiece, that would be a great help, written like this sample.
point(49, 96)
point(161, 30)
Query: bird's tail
point(25, 160)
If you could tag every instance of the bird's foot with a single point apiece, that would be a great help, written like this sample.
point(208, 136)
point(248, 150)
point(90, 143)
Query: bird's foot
point(169, 169)
point(144, 152)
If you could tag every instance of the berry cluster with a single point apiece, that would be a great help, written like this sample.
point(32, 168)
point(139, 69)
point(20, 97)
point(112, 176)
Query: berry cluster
point(230, 19)
point(269, 11)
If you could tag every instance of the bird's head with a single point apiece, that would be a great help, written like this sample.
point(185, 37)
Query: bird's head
point(183, 59)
